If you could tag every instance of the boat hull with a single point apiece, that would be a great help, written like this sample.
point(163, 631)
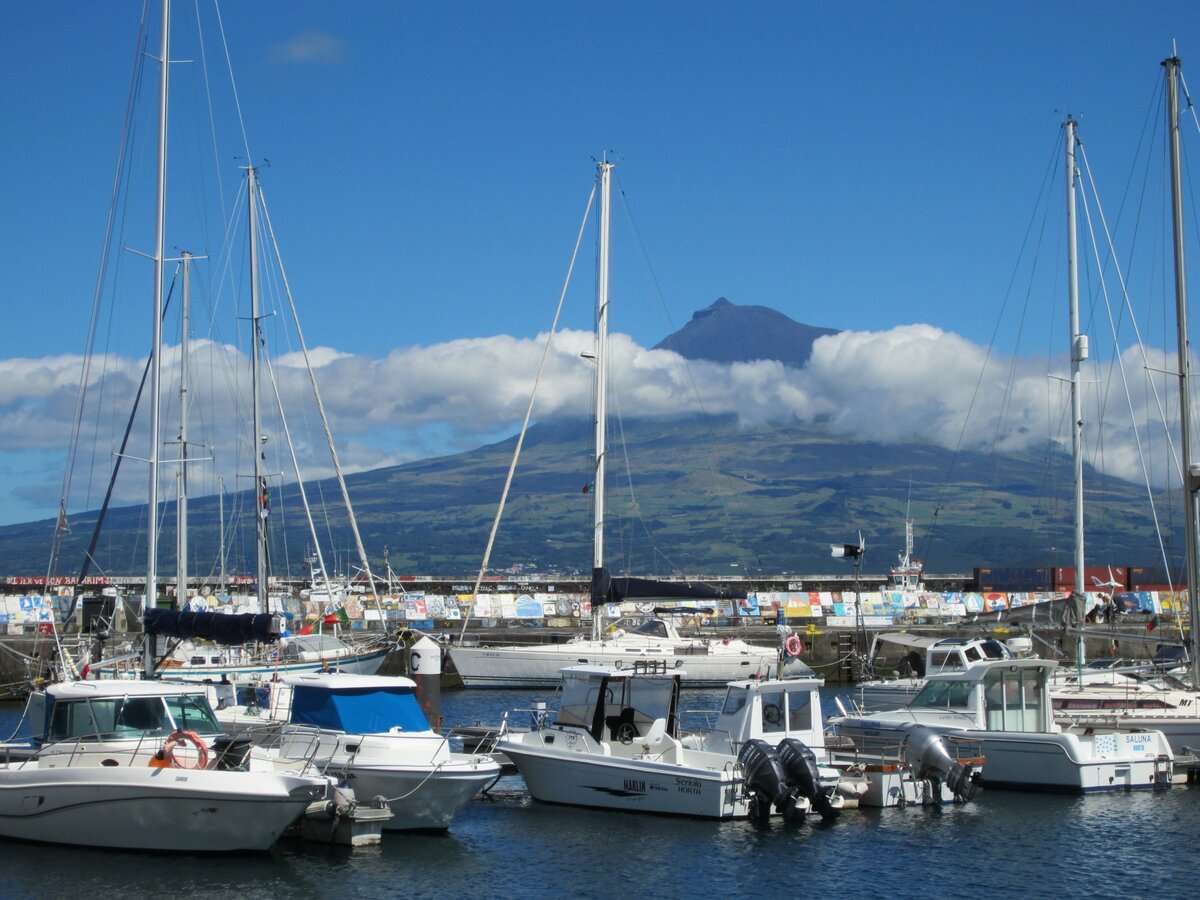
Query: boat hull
point(630, 785)
point(539, 666)
point(135, 808)
point(424, 798)
point(361, 664)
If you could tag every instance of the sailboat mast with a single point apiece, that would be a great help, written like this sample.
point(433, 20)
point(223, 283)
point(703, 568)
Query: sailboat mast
point(1192, 479)
point(1079, 352)
point(181, 542)
point(261, 506)
point(221, 505)
point(156, 343)
point(604, 171)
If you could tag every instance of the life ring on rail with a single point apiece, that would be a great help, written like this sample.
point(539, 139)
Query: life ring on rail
point(792, 645)
point(180, 738)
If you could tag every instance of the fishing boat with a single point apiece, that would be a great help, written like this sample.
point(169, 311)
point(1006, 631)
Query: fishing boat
point(615, 743)
point(1004, 706)
point(921, 655)
point(702, 662)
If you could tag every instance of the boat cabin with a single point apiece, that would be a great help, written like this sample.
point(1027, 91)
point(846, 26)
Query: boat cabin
point(356, 704)
point(620, 704)
point(995, 695)
point(769, 709)
point(917, 656)
point(119, 710)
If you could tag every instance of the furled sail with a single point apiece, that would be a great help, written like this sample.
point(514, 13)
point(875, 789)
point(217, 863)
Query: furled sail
point(607, 589)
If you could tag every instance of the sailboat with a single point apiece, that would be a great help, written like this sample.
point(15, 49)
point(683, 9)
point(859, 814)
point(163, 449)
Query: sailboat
point(1173, 708)
point(704, 663)
point(188, 651)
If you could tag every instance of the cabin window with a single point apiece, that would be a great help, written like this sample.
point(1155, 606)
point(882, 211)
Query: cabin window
point(972, 654)
point(942, 660)
point(117, 717)
point(799, 711)
point(1013, 700)
point(772, 712)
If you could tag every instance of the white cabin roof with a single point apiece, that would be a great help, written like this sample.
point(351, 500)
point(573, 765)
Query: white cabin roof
point(117, 687)
point(332, 681)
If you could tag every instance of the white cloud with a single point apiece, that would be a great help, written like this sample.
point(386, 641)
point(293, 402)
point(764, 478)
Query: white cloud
point(913, 383)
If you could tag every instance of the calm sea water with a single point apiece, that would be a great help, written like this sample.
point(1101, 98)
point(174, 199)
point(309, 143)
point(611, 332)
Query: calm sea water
point(1001, 845)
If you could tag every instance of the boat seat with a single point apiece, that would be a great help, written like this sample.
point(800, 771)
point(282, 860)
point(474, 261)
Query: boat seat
point(656, 732)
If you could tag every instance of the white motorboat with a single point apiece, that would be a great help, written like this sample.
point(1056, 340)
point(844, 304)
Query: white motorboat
point(615, 744)
point(1004, 705)
point(101, 773)
point(1160, 703)
point(371, 731)
point(920, 655)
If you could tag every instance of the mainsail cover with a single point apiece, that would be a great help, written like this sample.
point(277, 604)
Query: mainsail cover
point(224, 628)
point(607, 589)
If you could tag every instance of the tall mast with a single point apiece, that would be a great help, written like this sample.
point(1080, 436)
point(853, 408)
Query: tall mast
point(261, 504)
point(604, 171)
point(181, 504)
point(1079, 352)
point(156, 343)
point(1192, 479)
point(221, 505)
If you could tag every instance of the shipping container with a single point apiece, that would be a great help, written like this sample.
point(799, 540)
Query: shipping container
point(1011, 578)
point(1141, 577)
point(1095, 578)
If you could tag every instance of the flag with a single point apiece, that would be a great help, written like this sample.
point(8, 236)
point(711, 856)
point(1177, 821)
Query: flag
point(338, 617)
point(1153, 623)
point(588, 487)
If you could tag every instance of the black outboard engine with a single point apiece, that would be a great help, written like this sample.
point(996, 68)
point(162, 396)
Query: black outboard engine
point(800, 765)
point(765, 779)
point(926, 752)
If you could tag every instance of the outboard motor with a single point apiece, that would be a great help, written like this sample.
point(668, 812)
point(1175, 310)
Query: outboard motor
point(765, 780)
point(800, 765)
point(926, 751)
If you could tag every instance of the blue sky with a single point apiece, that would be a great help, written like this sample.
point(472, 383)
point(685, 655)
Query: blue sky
point(861, 166)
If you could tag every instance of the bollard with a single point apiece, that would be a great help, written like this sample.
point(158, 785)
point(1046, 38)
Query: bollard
point(425, 668)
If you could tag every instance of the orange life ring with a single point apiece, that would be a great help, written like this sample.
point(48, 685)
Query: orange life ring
point(180, 738)
point(793, 646)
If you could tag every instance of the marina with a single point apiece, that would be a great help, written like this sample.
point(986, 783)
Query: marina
point(504, 844)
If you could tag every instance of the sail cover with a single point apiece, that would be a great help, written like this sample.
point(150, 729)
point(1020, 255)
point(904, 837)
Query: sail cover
point(224, 628)
point(607, 589)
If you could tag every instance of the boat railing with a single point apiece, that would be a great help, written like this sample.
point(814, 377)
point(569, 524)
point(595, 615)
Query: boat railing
point(888, 753)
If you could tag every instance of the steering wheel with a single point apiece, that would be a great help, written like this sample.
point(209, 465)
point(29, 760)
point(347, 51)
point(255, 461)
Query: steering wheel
point(772, 713)
point(626, 733)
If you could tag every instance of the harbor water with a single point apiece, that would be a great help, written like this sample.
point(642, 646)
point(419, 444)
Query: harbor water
point(504, 845)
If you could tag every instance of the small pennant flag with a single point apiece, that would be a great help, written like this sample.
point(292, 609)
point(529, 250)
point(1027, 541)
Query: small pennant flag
point(1153, 623)
point(587, 488)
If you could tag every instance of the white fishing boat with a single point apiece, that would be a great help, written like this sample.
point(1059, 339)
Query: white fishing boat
point(1004, 705)
point(615, 744)
point(141, 765)
point(919, 655)
point(702, 662)
point(371, 731)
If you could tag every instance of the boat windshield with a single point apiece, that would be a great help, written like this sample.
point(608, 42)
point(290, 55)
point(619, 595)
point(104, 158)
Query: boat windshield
point(116, 718)
point(944, 695)
point(652, 628)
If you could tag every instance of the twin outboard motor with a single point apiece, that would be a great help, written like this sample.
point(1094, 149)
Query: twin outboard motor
point(926, 752)
point(800, 766)
point(765, 779)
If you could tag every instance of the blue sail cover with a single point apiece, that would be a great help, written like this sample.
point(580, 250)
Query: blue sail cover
point(224, 628)
point(607, 588)
point(357, 710)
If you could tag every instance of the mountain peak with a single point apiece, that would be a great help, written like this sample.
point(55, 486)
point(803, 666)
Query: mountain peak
point(727, 332)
